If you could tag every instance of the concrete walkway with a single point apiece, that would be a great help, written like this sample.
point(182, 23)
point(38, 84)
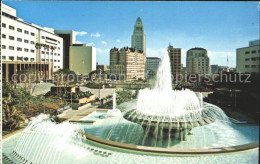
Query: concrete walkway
point(78, 114)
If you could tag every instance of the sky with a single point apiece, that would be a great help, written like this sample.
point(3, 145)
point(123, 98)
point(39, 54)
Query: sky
point(219, 27)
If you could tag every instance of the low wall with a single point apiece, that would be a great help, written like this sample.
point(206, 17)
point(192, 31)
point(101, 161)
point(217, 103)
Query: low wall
point(115, 144)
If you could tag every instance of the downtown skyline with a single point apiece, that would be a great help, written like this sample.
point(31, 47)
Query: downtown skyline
point(219, 27)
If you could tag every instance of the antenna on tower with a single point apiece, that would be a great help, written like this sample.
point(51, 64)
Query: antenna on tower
point(227, 60)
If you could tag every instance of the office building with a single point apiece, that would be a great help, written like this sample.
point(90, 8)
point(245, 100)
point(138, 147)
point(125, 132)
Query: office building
point(175, 60)
point(138, 37)
point(197, 61)
point(248, 58)
point(126, 64)
point(82, 59)
point(28, 46)
point(151, 64)
point(69, 38)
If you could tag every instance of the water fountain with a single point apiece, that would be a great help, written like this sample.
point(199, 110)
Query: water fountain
point(114, 112)
point(171, 113)
point(158, 121)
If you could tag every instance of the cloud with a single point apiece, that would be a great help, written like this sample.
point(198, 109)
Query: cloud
point(78, 42)
point(91, 44)
point(48, 29)
point(97, 34)
point(117, 40)
point(81, 33)
point(104, 42)
point(155, 52)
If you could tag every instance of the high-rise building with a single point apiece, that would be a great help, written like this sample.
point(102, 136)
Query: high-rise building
point(248, 58)
point(175, 59)
point(126, 64)
point(197, 61)
point(152, 64)
point(28, 46)
point(79, 58)
point(82, 59)
point(138, 37)
point(69, 38)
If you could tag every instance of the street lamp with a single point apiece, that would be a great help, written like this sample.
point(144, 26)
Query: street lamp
point(99, 84)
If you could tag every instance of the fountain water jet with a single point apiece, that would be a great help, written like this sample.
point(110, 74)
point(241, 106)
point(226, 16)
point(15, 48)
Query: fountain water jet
point(163, 110)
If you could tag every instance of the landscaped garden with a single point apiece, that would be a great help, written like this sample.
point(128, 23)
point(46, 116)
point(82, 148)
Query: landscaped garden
point(19, 104)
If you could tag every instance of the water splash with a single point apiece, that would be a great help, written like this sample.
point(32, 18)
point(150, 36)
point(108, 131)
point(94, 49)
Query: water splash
point(43, 141)
point(114, 112)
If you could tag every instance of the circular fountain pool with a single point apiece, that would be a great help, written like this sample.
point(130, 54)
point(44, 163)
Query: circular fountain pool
point(161, 121)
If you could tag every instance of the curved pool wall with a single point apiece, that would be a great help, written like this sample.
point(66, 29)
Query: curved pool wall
point(83, 155)
point(215, 135)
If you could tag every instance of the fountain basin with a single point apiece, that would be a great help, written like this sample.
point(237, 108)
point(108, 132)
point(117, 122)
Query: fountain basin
point(177, 128)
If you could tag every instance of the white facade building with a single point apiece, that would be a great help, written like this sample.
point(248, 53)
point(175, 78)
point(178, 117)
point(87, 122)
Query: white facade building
point(197, 61)
point(25, 42)
point(248, 58)
point(138, 37)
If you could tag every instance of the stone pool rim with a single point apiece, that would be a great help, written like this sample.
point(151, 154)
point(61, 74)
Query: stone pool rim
point(219, 150)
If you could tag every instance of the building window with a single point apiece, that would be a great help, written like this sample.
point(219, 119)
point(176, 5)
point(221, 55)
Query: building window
point(26, 32)
point(43, 52)
point(3, 36)
point(253, 66)
point(20, 58)
point(43, 60)
point(253, 59)
point(58, 66)
point(43, 37)
point(54, 66)
point(58, 48)
point(32, 42)
point(54, 54)
point(58, 54)
point(58, 60)
point(32, 59)
point(26, 50)
point(26, 41)
point(32, 34)
point(19, 30)
point(55, 60)
point(11, 58)
point(32, 50)
point(253, 52)
point(11, 47)
point(3, 46)
point(51, 60)
point(3, 57)
point(247, 66)
point(3, 25)
point(19, 49)
point(247, 52)
point(11, 37)
point(247, 59)
point(11, 27)
point(19, 39)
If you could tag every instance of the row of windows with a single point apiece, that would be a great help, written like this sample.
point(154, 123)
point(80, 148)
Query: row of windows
point(18, 29)
point(18, 58)
point(18, 48)
point(50, 60)
point(56, 66)
point(43, 52)
point(252, 52)
point(252, 66)
point(253, 59)
point(18, 39)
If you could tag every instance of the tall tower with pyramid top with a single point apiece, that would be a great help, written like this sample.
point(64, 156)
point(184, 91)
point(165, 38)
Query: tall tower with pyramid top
point(138, 37)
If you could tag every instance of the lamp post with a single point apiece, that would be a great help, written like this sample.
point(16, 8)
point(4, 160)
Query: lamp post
point(99, 84)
